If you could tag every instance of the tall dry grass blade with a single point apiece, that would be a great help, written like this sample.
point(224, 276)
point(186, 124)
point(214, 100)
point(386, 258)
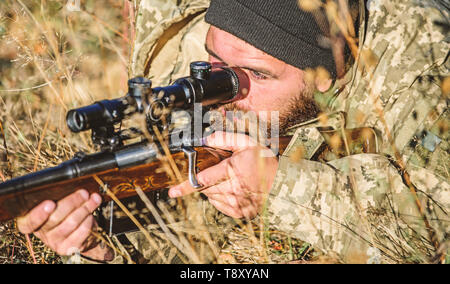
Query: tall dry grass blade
point(354, 189)
point(163, 226)
point(192, 254)
point(29, 88)
point(132, 18)
point(166, 166)
point(168, 155)
point(174, 169)
point(107, 26)
point(2, 133)
point(30, 248)
point(12, 253)
point(49, 35)
point(20, 138)
point(38, 151)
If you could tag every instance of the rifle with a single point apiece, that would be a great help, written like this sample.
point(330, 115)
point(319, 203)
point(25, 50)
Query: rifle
point(121, 164)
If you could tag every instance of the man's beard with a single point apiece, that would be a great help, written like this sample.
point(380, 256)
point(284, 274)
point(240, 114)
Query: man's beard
point(301, 108)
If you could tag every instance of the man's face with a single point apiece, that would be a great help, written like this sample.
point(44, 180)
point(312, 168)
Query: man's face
point(273, 84)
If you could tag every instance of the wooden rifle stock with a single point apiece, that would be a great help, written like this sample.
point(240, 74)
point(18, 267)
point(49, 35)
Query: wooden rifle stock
point(152, 176)
point(121, 182)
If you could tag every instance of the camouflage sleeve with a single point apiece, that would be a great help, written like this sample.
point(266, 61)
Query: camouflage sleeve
point(357, 208)
point(169, 35)
point(395, 85)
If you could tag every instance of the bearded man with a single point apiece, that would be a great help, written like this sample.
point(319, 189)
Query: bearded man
point(385, 206)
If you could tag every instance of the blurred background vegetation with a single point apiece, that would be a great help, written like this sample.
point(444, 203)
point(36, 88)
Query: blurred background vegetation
point(53, 59)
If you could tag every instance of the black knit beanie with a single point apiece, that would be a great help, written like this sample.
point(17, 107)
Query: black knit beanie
point(277, 27)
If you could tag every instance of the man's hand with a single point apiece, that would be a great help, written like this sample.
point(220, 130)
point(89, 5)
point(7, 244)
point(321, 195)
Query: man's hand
point(66, 227)
point(237, 186)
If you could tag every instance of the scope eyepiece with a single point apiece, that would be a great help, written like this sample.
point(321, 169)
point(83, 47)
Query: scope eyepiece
point(76, 121)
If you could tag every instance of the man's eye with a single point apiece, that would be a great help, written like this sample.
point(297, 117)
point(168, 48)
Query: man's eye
point(257, 75)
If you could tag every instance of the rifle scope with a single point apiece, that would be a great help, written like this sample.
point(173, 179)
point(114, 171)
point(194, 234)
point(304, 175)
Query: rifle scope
point(204, 85)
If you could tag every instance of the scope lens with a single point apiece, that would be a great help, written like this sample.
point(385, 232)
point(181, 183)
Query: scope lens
point(156, 110)
point(75, 121)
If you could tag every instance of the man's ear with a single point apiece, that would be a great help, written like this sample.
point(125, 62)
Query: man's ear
point(324, 85)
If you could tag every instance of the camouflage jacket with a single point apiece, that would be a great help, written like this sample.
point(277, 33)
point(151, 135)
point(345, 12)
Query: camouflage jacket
point(359, 208)
point(356, 208)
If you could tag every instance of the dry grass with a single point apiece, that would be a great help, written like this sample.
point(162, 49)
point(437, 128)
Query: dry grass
point(52, 60)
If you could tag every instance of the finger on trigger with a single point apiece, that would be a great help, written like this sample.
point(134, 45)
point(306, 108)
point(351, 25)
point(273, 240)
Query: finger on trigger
point(208, 177)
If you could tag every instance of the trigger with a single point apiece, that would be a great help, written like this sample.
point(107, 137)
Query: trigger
point(191, 154)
